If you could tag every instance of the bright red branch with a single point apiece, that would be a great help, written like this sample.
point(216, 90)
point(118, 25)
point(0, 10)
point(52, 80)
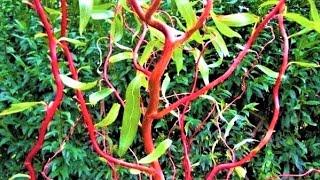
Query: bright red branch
point(52, 108)
point(276, 110)
point(231, 69)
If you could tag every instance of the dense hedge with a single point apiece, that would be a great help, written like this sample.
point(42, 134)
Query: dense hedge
point(25, 76)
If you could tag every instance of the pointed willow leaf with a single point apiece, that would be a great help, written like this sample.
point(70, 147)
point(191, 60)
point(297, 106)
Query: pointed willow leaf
point(218, 42)
point(94, 98)
point(19, 176)
point(120, 57)
point(268, 3)
point(85, 8)
point(203, 67)
point(73, 41)
point(148, 51)
point(305, 64)
point(302, 21)
point(238, 20)
point(224, 29)
point(101, 14)
point(102, 11)
point(117, 28)
point(157, 152)
point(165, 84)
point(77, 84)
point(189, 15)
point(301, 32)
point(178, 59)
point(18, 107)
point(268, 71)
point(131, 116)
point(110, 118)
point(314, 11)
point(230, 125)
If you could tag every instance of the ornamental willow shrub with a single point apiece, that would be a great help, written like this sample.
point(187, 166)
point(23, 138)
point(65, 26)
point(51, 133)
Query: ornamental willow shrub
point(184, 106)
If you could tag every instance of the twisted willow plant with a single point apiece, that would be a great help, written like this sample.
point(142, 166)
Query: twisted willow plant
point(152, 75)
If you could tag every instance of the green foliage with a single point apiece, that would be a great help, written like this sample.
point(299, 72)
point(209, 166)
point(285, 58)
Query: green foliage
point(25, 77)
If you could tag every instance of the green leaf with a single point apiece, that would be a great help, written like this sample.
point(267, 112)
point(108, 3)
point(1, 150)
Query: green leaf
point(120, 57)
point(302, 21)
point(165, 84)
point(102, 11)
point(203, 67)
point(268, 71)
point(51, 11)
point(301, 32)
point(314, 11)
point(157, 152)
point(111, 116)
point(224, 29)
point(19, 176)
point(94, 98)
point(230, 125)
point(218, 42)
point(238, 20)
point(305, 64)
point(178, 59)
point(73, 41)
point(18, 107)
point(77, 84)
point(85, 8)
point(241, 172)
point(117, 29)
point(131, 116)
point(189, 15)
point(101, 15)
point(267, 3)
point(148, 50)
point(312, 103)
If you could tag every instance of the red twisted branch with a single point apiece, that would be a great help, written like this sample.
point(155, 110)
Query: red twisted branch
point(276, 110)
point(52, 108)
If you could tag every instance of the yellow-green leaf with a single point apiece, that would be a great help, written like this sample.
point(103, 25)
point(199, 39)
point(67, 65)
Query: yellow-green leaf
point(102, 11)
point(131, 115)
point(241, 172)
point(314, 11)
point(302, 21)
point(268, 71)
point(18, 107)
point(203, 67)
point(77, 84)
point(189, 15)
point(165, 84)
point(224, 29)
point(268, 3)
point(178, 59)
point(117, 28)
point(110, 118)
point(20, 177)
point(218, 42)
point(85, 8)
point(305, 64)
point(94, 98)
point(157, 152)
point(120, 57)
point(73, 41)
point(238, 20)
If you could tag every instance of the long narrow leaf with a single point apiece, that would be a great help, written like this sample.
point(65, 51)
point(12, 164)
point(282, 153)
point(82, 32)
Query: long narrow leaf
point(157, 152)
point(131, 116)
point(18, 107)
